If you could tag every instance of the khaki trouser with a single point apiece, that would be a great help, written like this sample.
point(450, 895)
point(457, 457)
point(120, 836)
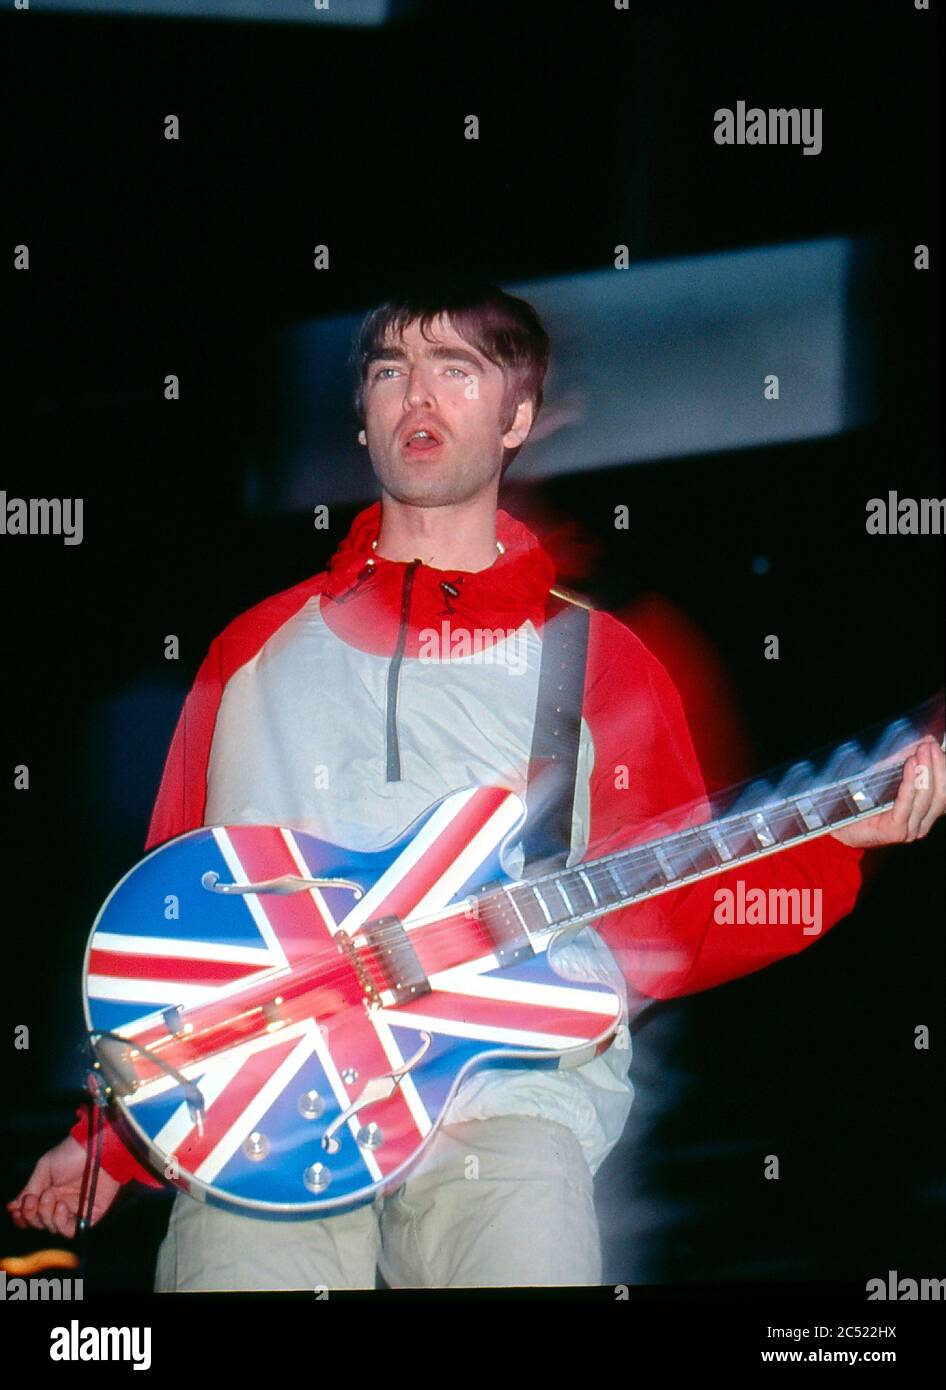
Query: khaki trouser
point(502, 1201)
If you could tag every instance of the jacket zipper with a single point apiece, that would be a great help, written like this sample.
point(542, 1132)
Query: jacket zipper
point(393, 754)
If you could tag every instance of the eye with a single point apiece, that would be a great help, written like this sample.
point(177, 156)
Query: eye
point(462, 371)
point(380, 373)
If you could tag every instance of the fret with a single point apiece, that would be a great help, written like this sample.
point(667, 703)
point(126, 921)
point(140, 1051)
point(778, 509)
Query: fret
point(600, 885)
point(787, 822)
point(714, 857)
point(604, 884)
point(509, 939)
point(507, 894)
point(568, 902)
point(645, 873)
point(615, 869)
point(523, 899)
point(809, 813)
point(577, 894)
point(556, 904)
point(883, 784)
point(666, 868)
point(541, 901)
point(862, 797)
point(583, 875)
point(612, 872)
point(835, 805)
point(740, 838)
point(719, 844)
point(690, 853)
point(762, 830)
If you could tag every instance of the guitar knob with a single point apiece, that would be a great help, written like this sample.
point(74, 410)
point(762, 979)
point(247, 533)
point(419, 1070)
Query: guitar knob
point(317, 1177)
point(370, 1136)
point(311, 1105)
point(256, 1145)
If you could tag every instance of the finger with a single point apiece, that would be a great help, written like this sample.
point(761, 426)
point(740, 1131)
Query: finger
point(63, 1220)
point(72, 1213)
point(31, 1211)
point(47, 1206)
point(938, 798)
point(926, 779)
point(922, 786)
point(16, 1204)
point(899, 812)
point(915, 780)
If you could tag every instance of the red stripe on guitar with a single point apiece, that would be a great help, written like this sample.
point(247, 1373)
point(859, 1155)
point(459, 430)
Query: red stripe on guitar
point(294, 917)
point(172, 968)
point(353, 1042)
point(418, 880)
point(519, 1016)
point(226, 1110)
point(452, 941)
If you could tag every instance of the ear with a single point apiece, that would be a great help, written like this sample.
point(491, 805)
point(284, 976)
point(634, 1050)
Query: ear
point(518, 431)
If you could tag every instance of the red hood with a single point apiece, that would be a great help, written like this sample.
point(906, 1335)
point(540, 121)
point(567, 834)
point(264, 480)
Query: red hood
point(363, 605)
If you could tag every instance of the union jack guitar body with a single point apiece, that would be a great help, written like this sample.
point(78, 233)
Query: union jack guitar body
point(294, 1048)
point(282, 1023)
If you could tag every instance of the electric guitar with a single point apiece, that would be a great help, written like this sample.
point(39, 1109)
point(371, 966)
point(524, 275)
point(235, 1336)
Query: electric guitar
point(281, 1023)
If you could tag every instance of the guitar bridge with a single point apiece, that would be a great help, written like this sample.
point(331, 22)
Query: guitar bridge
point(351, 953)
point(387, 945)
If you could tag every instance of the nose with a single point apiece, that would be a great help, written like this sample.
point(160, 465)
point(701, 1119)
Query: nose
point(419, 388)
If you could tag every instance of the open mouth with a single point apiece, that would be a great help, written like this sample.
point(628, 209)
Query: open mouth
point(422, 441)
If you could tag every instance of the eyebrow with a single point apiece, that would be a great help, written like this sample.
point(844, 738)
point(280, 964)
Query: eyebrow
point(439, 352)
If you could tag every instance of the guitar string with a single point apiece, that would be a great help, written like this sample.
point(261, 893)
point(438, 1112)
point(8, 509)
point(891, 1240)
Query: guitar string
point(633, 857)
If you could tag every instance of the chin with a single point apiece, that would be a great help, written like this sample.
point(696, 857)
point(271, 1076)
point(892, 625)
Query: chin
point(429, 491)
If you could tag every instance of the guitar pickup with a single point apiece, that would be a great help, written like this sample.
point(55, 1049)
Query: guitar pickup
point(396, 959)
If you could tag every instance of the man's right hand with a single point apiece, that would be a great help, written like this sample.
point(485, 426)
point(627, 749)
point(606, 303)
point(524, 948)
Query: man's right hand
point(50, 1199)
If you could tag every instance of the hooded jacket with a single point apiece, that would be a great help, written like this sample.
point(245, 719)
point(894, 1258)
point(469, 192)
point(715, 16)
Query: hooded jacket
point(348, 704)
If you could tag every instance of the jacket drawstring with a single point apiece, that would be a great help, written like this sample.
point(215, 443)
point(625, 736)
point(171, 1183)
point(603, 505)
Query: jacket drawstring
point(450, 589)
point(361, 577)
point(391, 742)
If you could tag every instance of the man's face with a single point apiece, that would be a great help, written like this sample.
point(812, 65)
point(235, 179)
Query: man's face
point(444, 386)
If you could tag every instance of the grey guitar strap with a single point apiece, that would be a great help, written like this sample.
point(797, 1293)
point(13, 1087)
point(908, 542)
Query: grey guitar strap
point(550, 787)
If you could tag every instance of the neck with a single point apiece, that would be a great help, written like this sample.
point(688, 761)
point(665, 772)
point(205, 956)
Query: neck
point(459, 535)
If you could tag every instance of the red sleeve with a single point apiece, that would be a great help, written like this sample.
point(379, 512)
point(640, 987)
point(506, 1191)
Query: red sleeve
point(646, 783)
point(117, 1159)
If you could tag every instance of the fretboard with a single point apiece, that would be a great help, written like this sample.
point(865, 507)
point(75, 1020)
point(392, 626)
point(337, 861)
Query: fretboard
point(543, 905)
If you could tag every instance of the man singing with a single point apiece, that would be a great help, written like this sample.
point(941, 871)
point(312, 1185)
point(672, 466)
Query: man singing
point(338, 674)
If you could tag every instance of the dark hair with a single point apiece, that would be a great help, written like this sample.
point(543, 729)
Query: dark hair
point(505, 329)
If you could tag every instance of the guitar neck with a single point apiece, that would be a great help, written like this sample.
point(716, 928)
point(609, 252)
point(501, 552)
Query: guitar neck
point(543, 906)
